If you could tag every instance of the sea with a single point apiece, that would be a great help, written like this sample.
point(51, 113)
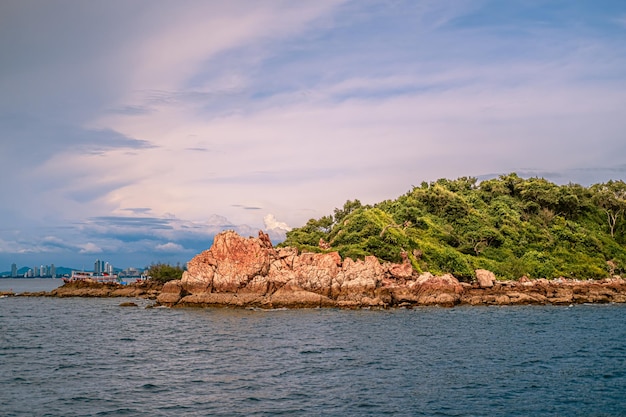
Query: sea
point(93, 357)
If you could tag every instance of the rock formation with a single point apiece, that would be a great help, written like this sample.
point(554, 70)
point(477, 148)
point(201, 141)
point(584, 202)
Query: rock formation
point(485, 278)
point(249, 272)
point(143, 289)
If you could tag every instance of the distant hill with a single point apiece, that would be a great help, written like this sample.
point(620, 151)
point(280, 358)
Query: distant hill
point(509, 225)
point(60, 270)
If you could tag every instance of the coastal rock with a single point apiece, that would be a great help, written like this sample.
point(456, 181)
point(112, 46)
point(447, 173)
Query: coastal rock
point(485, 278)
point(428, 289)
point(201, 280)
point(237, 260)
point(315, 272)
point(299, 298)
point(171, 293)
point(357, 279)
point(400, 271)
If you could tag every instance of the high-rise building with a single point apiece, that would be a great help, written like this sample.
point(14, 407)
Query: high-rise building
point(53, 271)
point(99, 267)
point(13, 271)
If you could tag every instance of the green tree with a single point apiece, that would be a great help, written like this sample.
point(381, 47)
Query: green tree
point(161, 272)
point(348, 207)
point(611, 198)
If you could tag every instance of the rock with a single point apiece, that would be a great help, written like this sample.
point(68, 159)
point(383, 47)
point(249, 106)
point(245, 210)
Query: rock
point(171, 293)
point(315, 272)
point(404, 270)
point(299, 298)
point(237, 261)
point(428, 289)
point(128, 304)
point(485, 278)
point(357, 279)
point(200, 281)
point(264, 238)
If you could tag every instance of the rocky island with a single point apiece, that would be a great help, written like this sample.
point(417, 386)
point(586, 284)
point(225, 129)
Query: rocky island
point(250, 272)
point(442, 243)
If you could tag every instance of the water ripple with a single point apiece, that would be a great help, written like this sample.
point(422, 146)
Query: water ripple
point(89, 357)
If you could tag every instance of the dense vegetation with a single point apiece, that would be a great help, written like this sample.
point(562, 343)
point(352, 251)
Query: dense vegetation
point(162, 273)
point(509, 225)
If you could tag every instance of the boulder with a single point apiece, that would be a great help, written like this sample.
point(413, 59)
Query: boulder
point(200, 281)
point(485, 278)
point(428, 289)
point(171, 293)
point(402, 271)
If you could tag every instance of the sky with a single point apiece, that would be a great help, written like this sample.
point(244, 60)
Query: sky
point(133, 131)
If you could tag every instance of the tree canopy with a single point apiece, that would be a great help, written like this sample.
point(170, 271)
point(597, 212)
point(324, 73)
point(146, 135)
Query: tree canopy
point(510, 225)
point(161, 272)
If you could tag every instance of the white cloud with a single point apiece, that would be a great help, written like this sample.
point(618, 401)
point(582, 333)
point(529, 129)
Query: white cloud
point(89, 248)
point(272, 224)
point(169, 247)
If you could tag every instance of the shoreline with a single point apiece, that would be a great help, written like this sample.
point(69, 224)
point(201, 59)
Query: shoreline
point(250, 272)
point(437, 291)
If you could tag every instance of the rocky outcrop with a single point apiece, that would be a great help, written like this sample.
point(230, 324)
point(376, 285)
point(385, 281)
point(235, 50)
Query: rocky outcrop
point(485, 278)
point(425, 289)
point(96, 289)
point(249, 272)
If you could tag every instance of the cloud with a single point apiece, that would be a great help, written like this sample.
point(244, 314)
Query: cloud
point(89, 248)
point(272, 224)
point(169, 247)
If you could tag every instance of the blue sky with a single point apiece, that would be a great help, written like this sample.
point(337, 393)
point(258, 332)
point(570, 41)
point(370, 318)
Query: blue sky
point(133, 131)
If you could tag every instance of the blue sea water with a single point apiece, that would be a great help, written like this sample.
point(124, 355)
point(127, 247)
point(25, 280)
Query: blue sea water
point(91, 357)
point(20, 285)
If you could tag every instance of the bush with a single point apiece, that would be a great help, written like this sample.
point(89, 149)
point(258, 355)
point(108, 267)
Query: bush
point(164, 272)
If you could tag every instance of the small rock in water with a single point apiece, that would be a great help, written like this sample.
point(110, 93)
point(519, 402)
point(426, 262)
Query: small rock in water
point(128, 304)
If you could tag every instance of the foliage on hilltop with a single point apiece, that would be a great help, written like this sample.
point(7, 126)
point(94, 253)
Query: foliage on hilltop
point(509, 225)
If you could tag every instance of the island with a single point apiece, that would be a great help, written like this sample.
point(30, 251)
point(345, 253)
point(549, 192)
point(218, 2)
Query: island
point(250, 272)
point(501, 241)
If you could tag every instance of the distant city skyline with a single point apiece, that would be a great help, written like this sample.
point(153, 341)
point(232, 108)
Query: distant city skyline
point(50, 271)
